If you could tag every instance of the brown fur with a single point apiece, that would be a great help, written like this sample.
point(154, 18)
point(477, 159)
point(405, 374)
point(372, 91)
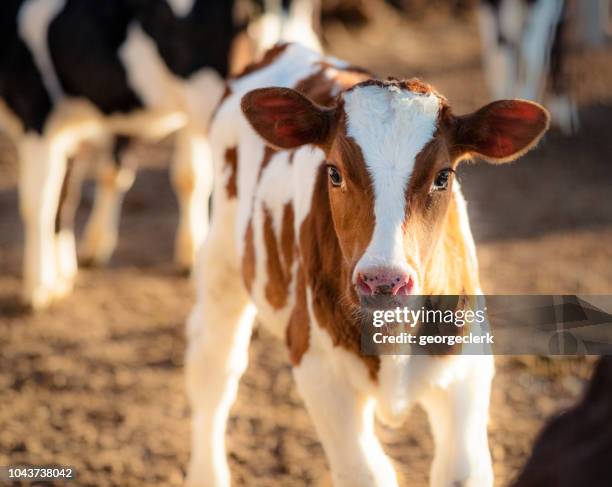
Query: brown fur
point(231, 161)
point(327, 276)
point(248, 259)
point(279, 275)
point(268, 153)
point(298, 329)
point(322, 89)
point(288, 236)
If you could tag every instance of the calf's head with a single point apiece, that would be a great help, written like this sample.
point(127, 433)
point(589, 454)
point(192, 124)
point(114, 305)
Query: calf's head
point(391, 151)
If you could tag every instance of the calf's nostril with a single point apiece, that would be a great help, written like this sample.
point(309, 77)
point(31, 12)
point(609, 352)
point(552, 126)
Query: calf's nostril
point(363, 285)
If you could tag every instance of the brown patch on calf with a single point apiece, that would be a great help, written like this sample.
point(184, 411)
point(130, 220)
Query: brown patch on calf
point(248, 258)
point(298, 329)
point(413, 84)
point(267, 157)
point(278, 272)
point(287, 236)
point(352, 204)
point(231, 161)
point(322, 87)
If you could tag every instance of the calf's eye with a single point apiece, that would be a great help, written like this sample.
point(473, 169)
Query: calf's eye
point(442, 180)
point(334, 175)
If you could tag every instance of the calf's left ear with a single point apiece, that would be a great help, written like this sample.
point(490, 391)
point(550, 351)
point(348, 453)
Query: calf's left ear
point(500, 131)
point(285, 118)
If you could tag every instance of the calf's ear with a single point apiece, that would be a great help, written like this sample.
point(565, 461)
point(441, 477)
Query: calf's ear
point(500, 131)
point(287, 119)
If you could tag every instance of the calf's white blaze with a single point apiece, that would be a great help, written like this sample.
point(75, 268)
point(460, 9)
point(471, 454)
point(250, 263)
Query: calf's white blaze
point(391, 125)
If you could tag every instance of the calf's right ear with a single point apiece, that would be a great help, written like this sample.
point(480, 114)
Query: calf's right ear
point(286, 119)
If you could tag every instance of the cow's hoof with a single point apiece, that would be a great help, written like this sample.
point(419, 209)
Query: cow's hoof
point(96, 252)
point(38, 298)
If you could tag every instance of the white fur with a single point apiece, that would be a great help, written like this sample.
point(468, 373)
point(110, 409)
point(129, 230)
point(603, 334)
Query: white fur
point(536, 45)
point(49, 263)
point(147, 74)
point(337, 389)
point(298, 26)
point(278, 25)
point(40, 178)
point(391, 126)
point(33, 22)
point(499, 60)
point(181, 8)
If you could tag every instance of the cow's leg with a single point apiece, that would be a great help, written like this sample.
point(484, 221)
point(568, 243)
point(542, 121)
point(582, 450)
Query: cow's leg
point(344, 420)
point(458, 415)
point(42, 168)
point(70, 195)
point(559, 102)
point(219, 331)
point(498, 48)
point(192, 178)
point(115, 178)
point(536, 47)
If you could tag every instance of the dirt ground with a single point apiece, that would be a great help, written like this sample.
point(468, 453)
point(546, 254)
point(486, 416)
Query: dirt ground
point(96, 382)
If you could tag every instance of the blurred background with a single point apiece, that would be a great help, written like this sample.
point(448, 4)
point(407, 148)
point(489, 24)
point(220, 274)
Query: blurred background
point(96, 382)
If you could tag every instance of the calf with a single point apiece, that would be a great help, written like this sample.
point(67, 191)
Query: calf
point(77, 71)
point(523, 47)
point(331, 187)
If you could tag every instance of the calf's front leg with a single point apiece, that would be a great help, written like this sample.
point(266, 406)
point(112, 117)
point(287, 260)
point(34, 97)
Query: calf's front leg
point(344, 420)
point(219, 332)
point(458, 414)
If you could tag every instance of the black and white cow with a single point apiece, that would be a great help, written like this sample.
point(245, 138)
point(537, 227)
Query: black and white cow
point(523, 47)
point(75, 72)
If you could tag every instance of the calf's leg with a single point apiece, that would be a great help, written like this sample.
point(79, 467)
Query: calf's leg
point(499, 52)
point(219, 332)
point(536, 47)
point(458, 415)
point(344, 420)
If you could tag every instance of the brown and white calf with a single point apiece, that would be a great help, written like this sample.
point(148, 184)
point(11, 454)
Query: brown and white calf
point(331, 186)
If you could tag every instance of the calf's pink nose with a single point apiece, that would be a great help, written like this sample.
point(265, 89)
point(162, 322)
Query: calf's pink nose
point(384, 281)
